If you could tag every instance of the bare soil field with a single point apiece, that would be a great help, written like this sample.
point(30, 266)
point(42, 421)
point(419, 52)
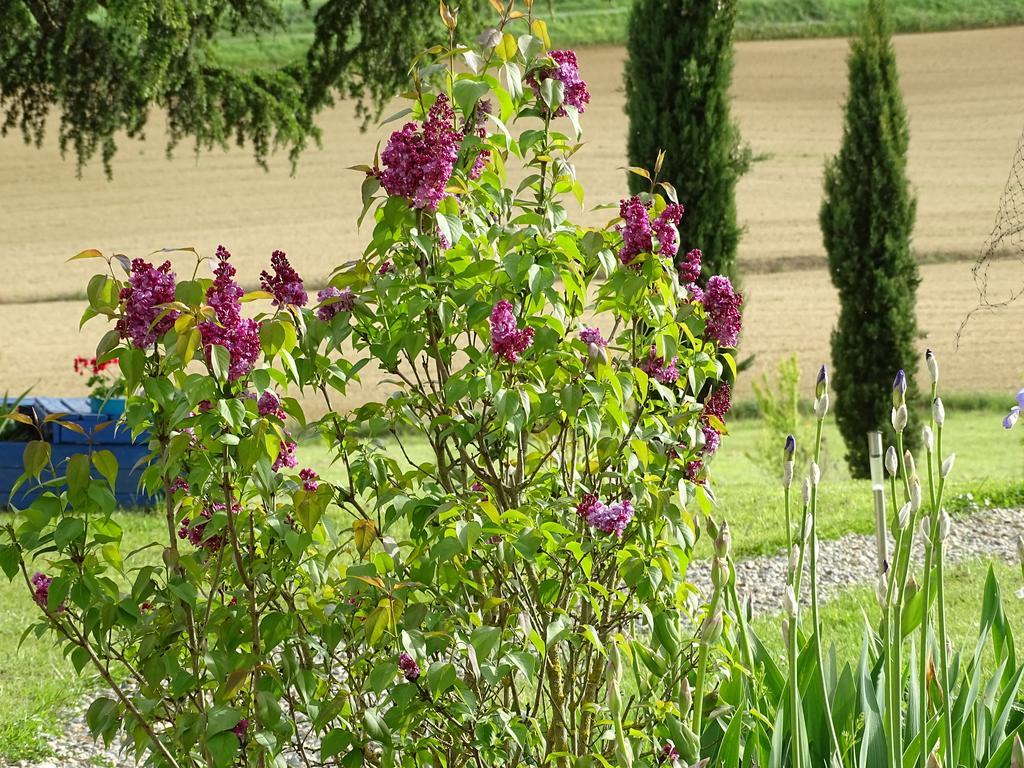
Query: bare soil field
point(964, 92)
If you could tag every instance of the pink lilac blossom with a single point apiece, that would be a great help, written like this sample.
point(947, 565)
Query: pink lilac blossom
point(410, 669)
point(636, 229)
point(240, 336)
point(41, 588)
point(309, 480)
point(386, 268)
point(148, 287)
point(695, 293)
point(689, 267)
point(665, 229)
point(669, 753)
point(593, 336)
point(720, 401)
point(588, 503)
point(270, 405)
point(566, 70)
point(693, 470)
point(179, 484)
point(655, 367)
point(722, 305)
point(711, 438)
point(418, 164)
point(285, 456)
point(285, 283)
point(337, 301)
point(611, 518)
point(195, 530)
point(508, 341)
point(241, 728)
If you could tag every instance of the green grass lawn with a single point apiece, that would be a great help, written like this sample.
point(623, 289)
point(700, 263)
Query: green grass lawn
point(35, 681)
point(597, 22)
point(843, 616)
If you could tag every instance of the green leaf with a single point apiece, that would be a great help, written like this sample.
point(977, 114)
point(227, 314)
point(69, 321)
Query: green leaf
point(467, 93)
point(440, 677)
point(484, 640)
point(365, 533)
point(335, 742)
point(220, 361)
point(35, 457)
point(102, 713)
point(78, 473)
point(221, 718)
point(106, 464)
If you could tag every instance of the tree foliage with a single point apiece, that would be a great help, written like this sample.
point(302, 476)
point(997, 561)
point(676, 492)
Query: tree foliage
point(866, 220)
point(677, 99)
point(104, 65)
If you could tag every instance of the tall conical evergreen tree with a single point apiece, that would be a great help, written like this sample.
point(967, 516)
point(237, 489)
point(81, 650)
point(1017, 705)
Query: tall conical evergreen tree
point(677, 100)
point(866, 220)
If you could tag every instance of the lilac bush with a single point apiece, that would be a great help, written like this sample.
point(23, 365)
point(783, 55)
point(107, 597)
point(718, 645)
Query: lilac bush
point(500, 576)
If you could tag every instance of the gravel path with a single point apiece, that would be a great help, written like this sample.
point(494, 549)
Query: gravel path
point(852, 559)
point(843, 563)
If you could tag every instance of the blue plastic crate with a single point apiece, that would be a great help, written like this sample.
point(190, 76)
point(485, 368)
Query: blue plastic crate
point(101, 433)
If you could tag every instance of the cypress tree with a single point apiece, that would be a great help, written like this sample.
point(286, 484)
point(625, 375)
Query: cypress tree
point(866, 220)
point(677, 99)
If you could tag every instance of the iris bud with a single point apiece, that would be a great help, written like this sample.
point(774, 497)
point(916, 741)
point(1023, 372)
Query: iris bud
point(947, 465)
point(899, 417)
point(926, 438)
point(892, 465)
point(789, 601)
point(933, 366)
point(899, 389)
point(938, 412)
point(821, 386)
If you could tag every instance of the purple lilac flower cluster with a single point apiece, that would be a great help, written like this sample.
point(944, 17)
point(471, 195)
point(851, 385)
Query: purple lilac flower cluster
point(418, 164)
point(689, 267)
point(593, 336)
point(654, 366)
point(285, 283)
point(310, 480)
point(195, 530)
point(241, 728)
point(669, 753)
point(567, 71)
point(240, 336)
point(607, 518)
point(638, 231)
point(722, 305)
point(270, 405)
point(334, 301)
point(286, 456)
point(41, 588)
point(179, 484)
point(508, 341)
point(148, 287)
point(665, 229)
point(720, 401)
point(410, 669)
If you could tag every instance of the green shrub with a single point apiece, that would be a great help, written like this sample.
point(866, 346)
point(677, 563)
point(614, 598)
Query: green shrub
point(519, 597)
point(866, 220)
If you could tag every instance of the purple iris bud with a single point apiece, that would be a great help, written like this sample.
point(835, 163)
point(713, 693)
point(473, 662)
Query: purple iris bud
point(1011, 417)
point(899, 389)
point(822, 385)
point(790, 447)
